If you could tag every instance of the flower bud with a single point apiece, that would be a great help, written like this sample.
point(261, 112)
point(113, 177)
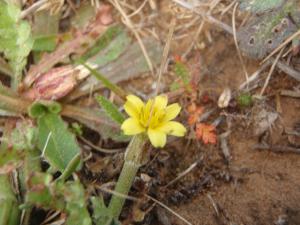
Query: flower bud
point(53, 85)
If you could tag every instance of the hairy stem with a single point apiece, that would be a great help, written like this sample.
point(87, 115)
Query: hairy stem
point(133, 160)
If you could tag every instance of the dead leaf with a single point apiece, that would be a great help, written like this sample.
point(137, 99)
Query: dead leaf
point(206, 133)
point(194, 113)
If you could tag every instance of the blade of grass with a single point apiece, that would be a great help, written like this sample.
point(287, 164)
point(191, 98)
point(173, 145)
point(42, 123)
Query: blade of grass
point(111, 86)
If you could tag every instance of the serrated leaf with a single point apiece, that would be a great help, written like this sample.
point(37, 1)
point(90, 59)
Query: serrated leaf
point(39, 193)
point(259, 6)
point(24, 136)
point(101, 214)
point(76, 203)
point(206, 133)
point(67, 197)
point(182, 72)
point(110, 109)
point(56, 141)
point(15, 38)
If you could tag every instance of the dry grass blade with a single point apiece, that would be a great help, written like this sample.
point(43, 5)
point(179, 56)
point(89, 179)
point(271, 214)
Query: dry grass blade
point(99, 149)
point(236, 42)
point(289, 93)
point(169, 209)
point(282, 45)
point(165, 55)
point(129, 24)
point(228, 7)
point(182, 174)
point(51, 217)
point(205, 16)
point(118, 194)
point(34, 7)
point(197, 34)
point(138, 10)
point(271, 72)
point(288, 70)
point(163, 63)
point(254, 76)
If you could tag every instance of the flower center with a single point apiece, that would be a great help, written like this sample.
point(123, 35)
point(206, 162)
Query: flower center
point(151, 117)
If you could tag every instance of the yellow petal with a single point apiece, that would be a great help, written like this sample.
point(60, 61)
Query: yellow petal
point(131, 126)
point(173, 128)
point(172, 111)
point(157, 137)
point(160, 102)
point(133, 106)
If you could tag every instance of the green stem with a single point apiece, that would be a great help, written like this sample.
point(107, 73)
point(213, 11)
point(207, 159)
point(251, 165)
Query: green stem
point(31, 165)
point(70, 168)
point(13, 104)
point(133, 160)
point(9, 211)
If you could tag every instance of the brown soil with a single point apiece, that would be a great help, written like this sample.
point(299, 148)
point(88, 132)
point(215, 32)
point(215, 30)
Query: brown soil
point(254, 187)
point(264, 187)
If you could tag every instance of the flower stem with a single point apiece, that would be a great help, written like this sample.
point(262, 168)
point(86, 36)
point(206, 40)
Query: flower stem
point(133, 159)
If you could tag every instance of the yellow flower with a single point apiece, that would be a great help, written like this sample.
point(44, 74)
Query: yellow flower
point(154, 118)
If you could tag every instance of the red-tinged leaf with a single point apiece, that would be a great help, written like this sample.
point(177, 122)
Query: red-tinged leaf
point(194, 113)
point(177, 58)
point(206, 133)
point(205, 99)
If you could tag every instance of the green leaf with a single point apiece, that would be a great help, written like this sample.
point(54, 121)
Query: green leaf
point(44, 43)
point(24, 136)
point(39, 192)
point(97, 120)
point(5, 68)
point(45, 29)
point(9, 213)
point(76, 203)
point(56, 141)
point(101, 214)
point(110, 109)
point(15, 39)
point(174, 86)
point(38, 109)
point(259, 6)
point(106, 82)
point(109, 47)
point(182, 71)
point(10, 159)
point(85, 13)
point(245, 100)
point(67, 197)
